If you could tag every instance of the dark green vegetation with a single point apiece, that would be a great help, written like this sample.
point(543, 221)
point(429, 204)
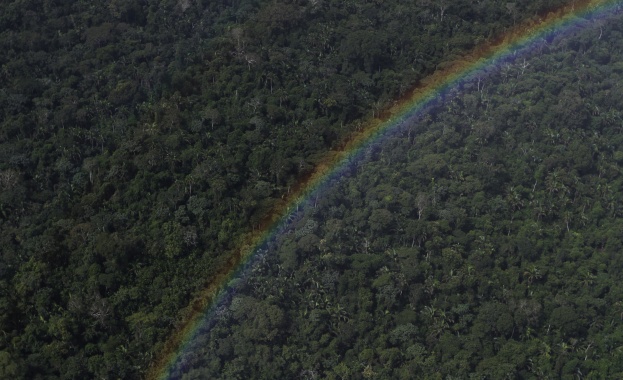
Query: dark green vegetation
point(484, 240)
point(140, 140)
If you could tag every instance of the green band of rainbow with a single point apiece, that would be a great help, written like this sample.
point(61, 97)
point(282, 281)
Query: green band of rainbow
point(476, 63)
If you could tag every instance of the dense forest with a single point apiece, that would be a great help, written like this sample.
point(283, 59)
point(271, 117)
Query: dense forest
point(482, 241)
point(142, 141)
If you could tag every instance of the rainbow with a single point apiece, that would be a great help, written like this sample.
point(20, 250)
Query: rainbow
point(475, 64)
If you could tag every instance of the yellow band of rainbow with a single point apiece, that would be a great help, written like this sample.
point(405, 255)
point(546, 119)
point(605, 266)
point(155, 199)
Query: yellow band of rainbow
point(488, 55)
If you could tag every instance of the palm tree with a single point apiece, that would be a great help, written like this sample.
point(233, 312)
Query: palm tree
point(532, 274)
point(587, 278)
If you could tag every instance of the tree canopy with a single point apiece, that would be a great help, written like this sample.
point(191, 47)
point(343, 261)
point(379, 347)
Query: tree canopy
point(142, 141)
point(481, 240)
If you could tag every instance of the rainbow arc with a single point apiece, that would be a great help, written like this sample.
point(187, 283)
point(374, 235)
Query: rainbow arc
point(506, 48)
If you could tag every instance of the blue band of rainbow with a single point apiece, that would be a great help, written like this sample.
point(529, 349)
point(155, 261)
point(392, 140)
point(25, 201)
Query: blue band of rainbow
point(481, 60)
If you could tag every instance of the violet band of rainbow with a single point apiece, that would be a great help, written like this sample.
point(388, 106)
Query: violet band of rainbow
point(477, 63)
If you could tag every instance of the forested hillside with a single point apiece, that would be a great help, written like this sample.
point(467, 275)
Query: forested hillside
point(481, 241)
point(140, 141)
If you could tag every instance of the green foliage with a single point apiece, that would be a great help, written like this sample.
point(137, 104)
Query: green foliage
point(140, 141)
point(485, 246)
